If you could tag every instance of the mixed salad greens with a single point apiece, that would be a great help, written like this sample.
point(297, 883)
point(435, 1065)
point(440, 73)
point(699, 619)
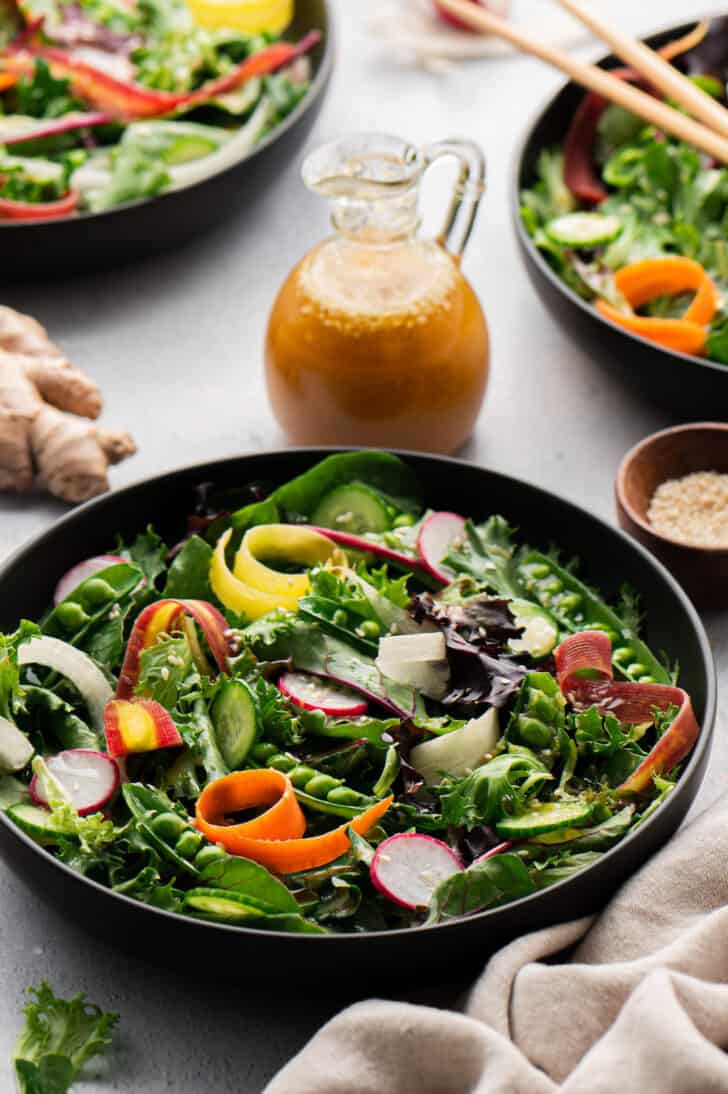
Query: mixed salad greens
point(103, 102)
point(634, 220)
point(332, 709)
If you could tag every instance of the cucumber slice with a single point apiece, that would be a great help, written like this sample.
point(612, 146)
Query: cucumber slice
point(543, 818)
point(229, 907)
point(12, 792)
point(541, 632)
point(36, 822)
point(354, 508)
point(583, 229)
point(235, 722)
point(221, 904)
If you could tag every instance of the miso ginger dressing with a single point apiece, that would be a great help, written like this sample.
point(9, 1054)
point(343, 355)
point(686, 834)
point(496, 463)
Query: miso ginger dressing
point(376, 337)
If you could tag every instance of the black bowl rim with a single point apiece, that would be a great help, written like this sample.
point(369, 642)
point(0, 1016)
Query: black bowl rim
point(315, 90)
point(206, 471)
point(535, 255)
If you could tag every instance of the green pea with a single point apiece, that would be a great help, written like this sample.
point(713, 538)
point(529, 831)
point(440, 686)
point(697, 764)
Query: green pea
point(534, 732)
point(340, 618)
point(610, 632)
point(71, 616)
point(404, 520)
point(264, 751)
point(344, 795)
point(168, 826)
point(370, 629)
point(300, 775)
point(569, 602)
point(537, 570)
point(281, 762)
point(542, 706)
point(188, 844)
point(646, 679)
point(209, 853)
point(96, 592)
point(320, 786)
point(552, 584)
point(623, 653)
point(636, 669)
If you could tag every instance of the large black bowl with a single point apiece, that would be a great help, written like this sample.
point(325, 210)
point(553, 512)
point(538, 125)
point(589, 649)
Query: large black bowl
point(688, 386)
point(610, 557)
point(151, 225)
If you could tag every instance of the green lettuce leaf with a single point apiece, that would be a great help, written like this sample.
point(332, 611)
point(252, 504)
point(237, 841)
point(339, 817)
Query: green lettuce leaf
point(501, 878)
point(58, 1038)
point(189, 574)
point(497, 789)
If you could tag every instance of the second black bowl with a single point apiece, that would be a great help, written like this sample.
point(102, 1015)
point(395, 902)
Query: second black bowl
point(688, 386)
point(151, 225)
point(609, 557)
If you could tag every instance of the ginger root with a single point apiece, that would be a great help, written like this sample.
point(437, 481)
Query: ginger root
point(44, 401)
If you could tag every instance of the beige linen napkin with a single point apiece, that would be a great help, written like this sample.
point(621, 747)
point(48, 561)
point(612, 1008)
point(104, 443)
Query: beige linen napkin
point(641, 1004)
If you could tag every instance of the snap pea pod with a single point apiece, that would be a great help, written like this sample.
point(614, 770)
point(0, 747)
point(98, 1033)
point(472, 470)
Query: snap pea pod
point(91, 601)
point(539, 715)
point(576, 608)
point(314, 789)
point(167, 829)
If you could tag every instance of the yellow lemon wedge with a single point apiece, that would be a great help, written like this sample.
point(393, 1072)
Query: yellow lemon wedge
point(247, 16)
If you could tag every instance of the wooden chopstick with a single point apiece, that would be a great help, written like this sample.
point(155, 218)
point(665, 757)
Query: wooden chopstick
point(595, 79)
point(655, 70)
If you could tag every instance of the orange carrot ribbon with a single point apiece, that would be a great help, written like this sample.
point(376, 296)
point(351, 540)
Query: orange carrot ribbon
point(643, 281)
point(160, 618)
point(630, 704)
point(274, 839)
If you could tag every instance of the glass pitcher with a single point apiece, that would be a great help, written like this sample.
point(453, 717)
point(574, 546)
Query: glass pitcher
point(376, 337)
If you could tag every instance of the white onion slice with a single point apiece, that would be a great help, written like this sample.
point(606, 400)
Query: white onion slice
point(15, 748)
point(76, 666)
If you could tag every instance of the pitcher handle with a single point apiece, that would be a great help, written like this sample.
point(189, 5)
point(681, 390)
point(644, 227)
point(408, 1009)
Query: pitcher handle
point(469, 189)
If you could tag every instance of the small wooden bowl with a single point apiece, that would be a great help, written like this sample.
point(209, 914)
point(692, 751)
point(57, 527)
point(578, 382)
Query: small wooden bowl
point(670, 454)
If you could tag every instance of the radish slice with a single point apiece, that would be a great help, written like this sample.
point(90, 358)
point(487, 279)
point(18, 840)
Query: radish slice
point(408, 867)
point(80, 572)
point(89, 778)
point(74, 664)
point(499, 850)
point(361, 543)
point(312, 693)
point(436, 537)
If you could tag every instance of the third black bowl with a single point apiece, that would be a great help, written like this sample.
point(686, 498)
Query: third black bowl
point(688, 386)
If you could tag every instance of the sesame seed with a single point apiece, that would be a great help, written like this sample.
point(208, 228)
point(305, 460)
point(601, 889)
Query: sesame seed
point(692, 509)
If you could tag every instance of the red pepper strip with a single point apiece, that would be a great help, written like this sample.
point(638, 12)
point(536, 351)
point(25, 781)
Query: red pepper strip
point(31, 30)
point(41, 210)
point(59, 125)
point(160, 618)
point(127, 101)
point(631, 704)
point(579, 174)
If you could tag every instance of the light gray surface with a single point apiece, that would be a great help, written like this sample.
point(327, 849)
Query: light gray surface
point(176, 344)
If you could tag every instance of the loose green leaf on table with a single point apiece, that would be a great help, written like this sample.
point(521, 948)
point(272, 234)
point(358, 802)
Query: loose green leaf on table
point(58, 1038)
